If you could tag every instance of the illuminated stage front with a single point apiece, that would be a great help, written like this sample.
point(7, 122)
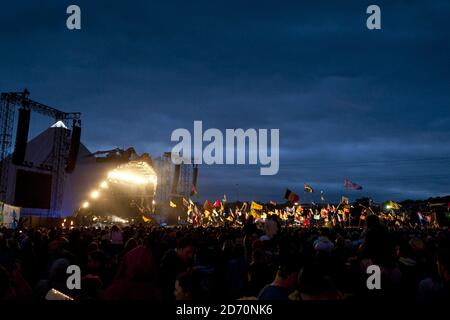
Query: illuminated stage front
point(127, 191)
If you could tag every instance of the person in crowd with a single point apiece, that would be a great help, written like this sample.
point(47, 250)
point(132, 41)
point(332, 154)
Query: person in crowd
point(271, 226)
point(57, 279)
point(188, 287)
point(176, 262)
point(284, 282)
point(98, 266)
point(314, 283)
point(443, 266)
point(6, 288)
point(136, 279)
point(259, 273)
point(237, 272)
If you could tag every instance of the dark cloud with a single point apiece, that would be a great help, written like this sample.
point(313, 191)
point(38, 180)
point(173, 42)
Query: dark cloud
point(369, 106)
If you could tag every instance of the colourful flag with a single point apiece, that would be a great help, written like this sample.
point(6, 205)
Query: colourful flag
point(208, 206)
point(256, 206)
point(173, 205)
point(224, 198)
point(217, 203)
point(185, 203)
point(146, 219)
point(351, 185)
point(194, 191)
point(191, 202)
point(291, 196)
point(420, 218)
point(345, 200)
point(308, 188)
point(393, 205)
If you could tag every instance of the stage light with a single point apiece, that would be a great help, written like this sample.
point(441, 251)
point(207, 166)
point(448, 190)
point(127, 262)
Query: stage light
point(117, 219)
point(135, 172)
point(95, 194)
point(127, 177)
point(86, 205)
point(104, 185)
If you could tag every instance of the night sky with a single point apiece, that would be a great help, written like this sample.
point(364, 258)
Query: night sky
point(370, 106)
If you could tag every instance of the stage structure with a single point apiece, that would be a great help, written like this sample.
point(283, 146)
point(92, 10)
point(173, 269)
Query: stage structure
point(175, 183)
point(31, 178)
point(126, 191)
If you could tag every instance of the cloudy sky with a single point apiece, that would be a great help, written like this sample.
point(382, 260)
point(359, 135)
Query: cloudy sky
point(370, 106)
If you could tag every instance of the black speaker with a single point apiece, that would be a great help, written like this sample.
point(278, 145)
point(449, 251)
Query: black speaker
point(74, 148)
point(176, 179)
point(23, 126)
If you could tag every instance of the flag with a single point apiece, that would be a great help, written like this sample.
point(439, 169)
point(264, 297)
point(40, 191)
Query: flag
point(273, 203)
point(291, 196)
point(217, 203)
point(420, 218)
point(11, 216)
point(208, 206)
point(194, 191)
point(308, 188)
point(256, 206)
point(173, 205)
point(393, 205)
point(185, 203)
point(145, 219)
point(224, 198)
point(351, 185)
point(344, 200)
point(244, 206)
point(191, 202)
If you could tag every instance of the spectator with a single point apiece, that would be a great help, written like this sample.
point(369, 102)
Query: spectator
point(174, 263)
point(136, 279)
point(285, 282)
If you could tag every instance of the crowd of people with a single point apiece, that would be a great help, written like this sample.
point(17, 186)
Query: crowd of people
point(252, 262)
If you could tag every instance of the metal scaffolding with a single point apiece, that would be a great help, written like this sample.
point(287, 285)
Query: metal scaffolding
point(56, 160)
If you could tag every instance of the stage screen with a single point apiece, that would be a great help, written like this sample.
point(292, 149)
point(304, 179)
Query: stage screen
point(33, 189)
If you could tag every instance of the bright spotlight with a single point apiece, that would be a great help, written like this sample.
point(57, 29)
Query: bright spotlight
point(85, 205)
point(153, 202)
point(95, 194)
point(104, 185)
point(134, 172)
